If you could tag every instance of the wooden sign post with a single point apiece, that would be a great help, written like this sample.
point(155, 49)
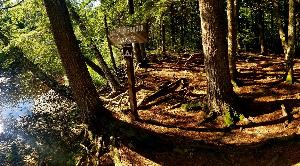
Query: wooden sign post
point(126, 36)
point(128, 53)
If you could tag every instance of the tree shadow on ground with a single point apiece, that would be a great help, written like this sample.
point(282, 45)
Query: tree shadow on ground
point(179, 150)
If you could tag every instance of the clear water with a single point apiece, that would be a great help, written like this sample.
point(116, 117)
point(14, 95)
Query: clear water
point(15, 102)
point(31, 126)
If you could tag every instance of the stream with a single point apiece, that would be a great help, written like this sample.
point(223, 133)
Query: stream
point(34, 123)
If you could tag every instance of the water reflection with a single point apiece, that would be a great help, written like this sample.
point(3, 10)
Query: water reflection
point(35, 122)
point(15, 102)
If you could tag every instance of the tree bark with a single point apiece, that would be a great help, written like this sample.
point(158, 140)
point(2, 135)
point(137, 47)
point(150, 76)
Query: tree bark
point(232, 15)
point(143, 50)
point(111, 78)
point(131, 6)
point(173, 27)
point(84, 91)
point(138, 53)
point(163, 37)
point(113, 61)
point(261, 29)
point(219, 89)
point(282, 34)
point(290, 53)
point(93, 66)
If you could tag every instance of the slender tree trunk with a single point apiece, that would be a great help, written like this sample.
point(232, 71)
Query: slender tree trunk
point(232, 38)
point(143, 52)
point(84, 91)
point(219, 89)
point(138, 53)
point(131, 6)
point(109, 45)
point(163, 37)
point(173, 27)
point(291, 42)
point(111, 78)
point(261, 29)
point(93, 66)
point(282, 34)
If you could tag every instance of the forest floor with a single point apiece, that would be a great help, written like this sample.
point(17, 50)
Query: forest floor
point(266, 138)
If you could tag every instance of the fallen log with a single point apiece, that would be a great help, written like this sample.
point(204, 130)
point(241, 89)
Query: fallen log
point(164, 90)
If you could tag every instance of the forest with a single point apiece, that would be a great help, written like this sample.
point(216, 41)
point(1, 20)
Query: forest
point(149, 82)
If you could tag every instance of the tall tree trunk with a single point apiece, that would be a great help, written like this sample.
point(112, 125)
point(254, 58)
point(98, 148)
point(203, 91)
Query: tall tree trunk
point(261, 28)
point(232, 38)
point(173, 27)
point(138, 53)
point(111, 78)
point(282, 34)
point(291, 42)
point(219, 89)
point(143, 53)
point(109, 45)
point(131, 6)
point(163, 36)
point(84, 91)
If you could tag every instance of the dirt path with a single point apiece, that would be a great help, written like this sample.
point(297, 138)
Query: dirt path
point(266, 140)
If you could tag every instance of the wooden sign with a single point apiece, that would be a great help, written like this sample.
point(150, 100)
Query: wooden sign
point(126, 35)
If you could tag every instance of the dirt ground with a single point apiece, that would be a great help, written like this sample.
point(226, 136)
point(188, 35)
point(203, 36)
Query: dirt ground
point(268, 137)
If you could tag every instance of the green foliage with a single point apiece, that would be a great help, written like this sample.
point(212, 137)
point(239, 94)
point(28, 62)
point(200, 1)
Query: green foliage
point(27, 27)
point(228, 119)
point(231, 117)
point(289, 79)
point(194, 106)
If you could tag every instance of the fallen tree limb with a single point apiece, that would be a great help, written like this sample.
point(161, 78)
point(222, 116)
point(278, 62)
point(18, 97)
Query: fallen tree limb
point(164, 90)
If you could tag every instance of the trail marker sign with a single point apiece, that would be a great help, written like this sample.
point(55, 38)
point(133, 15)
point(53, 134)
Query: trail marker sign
point(127, 51)
point(127, 35)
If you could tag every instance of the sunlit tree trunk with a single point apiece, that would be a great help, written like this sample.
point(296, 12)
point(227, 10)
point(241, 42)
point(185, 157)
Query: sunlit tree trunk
point(220, 93)
point(80, 81)
point(109, 45)
point(290, 53)
point(232, 14)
